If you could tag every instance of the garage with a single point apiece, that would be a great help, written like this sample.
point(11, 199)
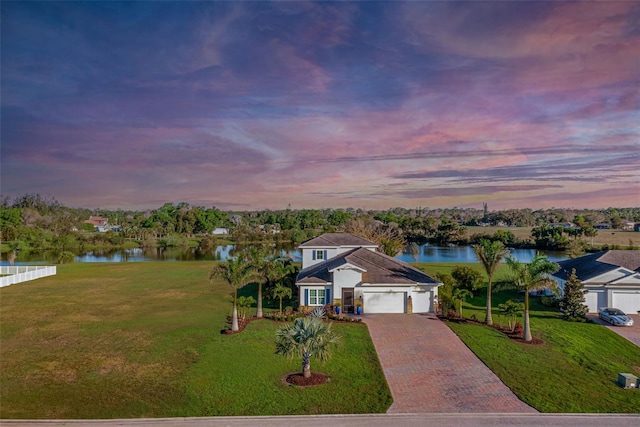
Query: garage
point(627, 301)
point(385, 302)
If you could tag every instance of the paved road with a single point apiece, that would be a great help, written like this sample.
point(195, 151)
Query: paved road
point(632, 333)
point(364, 420)
point(430, 370)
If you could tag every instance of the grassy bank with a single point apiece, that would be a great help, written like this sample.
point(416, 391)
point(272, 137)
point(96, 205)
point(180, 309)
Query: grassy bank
point(574, 370)
point(143, 340)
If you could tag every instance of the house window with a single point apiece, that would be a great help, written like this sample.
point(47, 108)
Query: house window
point(319, 254)
point(316, 297)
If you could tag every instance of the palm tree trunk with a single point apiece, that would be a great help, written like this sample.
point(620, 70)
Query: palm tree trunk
point(234, 319)
point(526, 334)
point(259, 311)
point(488, 318)
point(280, 305)
point(234, 313)
point(306, 365)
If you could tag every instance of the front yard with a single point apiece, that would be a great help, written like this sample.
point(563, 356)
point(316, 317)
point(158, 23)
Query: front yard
point(143, 340)
point(576, 368)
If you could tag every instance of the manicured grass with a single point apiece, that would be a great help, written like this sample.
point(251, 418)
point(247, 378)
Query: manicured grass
point(143, 340)
point(575, 370)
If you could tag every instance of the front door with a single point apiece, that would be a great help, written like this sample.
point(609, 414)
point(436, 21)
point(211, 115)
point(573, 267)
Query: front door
point(347, 300)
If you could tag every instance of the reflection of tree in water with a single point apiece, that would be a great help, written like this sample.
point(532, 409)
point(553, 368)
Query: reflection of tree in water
point(414, 251)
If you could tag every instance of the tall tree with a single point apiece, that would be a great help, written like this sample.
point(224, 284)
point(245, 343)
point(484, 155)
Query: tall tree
point(490, 254)
point(237, 272)
point(528, 277)
point(573, 300)
point(306, 337)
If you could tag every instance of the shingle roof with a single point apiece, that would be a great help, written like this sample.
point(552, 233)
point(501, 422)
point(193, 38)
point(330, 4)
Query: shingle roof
point(593, 265)
point(380, 269)
point(337, 239)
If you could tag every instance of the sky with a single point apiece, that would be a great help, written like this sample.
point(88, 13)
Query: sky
point(265, 105)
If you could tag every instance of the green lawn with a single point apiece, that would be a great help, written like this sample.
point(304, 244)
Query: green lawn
point(143, 340)
point(576, 368)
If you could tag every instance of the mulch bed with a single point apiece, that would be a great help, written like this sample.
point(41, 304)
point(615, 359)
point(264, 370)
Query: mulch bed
point(299, 380)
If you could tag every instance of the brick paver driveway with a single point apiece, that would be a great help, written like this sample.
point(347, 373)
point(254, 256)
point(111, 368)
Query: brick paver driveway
point(632, 333)
point(429, 369)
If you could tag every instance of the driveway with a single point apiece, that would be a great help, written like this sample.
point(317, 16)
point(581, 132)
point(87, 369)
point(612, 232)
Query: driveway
point(429, 370)
point(632, 333)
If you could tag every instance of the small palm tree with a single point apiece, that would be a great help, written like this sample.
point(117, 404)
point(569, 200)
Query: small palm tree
point(490, 254)
point(280, 291)
point(529, 277)
point(460, 295)
point(306, 337)
point(237, 272)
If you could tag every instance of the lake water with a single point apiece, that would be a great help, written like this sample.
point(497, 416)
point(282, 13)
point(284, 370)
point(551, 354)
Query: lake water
point(425, 253)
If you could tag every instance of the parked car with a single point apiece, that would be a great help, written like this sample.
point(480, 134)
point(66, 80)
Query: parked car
point(615, 317)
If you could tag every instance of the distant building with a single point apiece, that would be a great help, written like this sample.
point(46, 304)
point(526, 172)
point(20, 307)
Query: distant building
point(562, 224)
point(101, 224)
point(602, 226)
point(220, 230)
point(97, 221)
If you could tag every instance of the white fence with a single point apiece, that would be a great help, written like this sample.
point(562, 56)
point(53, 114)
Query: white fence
point(24, 273)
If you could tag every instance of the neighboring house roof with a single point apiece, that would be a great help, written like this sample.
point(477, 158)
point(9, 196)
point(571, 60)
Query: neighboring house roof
point(593, 265)
point(96, 220)
point(378, 269)
point(337, 239)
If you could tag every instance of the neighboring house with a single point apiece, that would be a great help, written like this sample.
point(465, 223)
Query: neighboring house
point(345, 269)
point(219, 231)
point(101, 224)
point(97, 221)
point(612, 279)
point(562, 224)
point(602, 226)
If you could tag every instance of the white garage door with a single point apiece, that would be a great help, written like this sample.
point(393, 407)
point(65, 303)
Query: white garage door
point(591, 299)
point(628, 301)
point(384, 302)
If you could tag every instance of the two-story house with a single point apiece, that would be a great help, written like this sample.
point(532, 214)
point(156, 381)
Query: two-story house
point(340, 268)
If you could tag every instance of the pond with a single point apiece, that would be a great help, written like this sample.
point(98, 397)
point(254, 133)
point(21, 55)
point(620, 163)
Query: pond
point(425, 253)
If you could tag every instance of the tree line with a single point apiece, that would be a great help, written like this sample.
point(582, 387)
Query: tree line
point(34, 222)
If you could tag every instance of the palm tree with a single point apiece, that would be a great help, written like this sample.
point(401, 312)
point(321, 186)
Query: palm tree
point(280, 291)
point(275, 270)
point(237, 272)
point(490, 254)
point(306, 337)
point(528, 277)
point(259, 261)
point(460, 295)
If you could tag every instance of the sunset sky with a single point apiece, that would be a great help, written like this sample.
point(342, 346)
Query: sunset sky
point(261, 105)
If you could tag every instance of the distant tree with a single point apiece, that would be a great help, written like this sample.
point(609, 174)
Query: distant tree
point(528, 277)
point(573, 300)
point(306, 337)
point(490, 254)
point(338, 218)
point(66, 257)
